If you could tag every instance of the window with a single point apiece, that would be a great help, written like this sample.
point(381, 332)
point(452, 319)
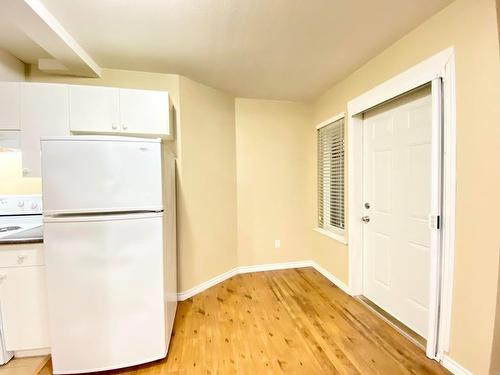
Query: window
point(331, 177)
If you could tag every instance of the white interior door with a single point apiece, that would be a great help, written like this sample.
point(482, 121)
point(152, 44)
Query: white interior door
point(397, 193)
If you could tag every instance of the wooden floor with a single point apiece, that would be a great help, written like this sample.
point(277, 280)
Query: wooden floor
point(289, 321)
point(24, 366)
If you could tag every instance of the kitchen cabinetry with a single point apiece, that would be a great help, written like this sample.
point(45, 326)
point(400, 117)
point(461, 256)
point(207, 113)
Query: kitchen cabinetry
point(23, 297)
point(45, 109)
point(103, 110)
point(145, 112)
point(44, 112)
point(9, 105)
point(94, 109)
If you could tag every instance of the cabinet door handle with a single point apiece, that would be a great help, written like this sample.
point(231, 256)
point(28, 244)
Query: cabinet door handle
point(3, 276)
point(113, 125)
point(21, 258)
point(124, 126)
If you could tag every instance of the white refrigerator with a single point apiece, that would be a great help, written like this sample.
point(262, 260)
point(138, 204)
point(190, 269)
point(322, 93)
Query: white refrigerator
point(109, 243)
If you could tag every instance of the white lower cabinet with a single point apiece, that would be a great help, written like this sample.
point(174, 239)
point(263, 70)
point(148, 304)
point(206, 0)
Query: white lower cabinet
point(23, 297)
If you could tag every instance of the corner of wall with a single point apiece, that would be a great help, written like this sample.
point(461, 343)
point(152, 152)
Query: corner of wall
point(207, 197)
point(11, 68)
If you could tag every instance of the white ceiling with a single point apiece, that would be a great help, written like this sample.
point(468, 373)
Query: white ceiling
point(275, 49)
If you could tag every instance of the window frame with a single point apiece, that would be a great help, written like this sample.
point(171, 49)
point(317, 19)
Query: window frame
point(336, 233)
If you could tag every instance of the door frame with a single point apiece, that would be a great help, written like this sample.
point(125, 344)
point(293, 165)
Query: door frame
point(441, 67)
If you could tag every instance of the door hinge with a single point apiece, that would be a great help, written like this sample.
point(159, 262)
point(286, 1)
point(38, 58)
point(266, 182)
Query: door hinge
point(434, 221)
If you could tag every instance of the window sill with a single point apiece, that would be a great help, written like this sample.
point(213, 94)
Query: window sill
point(334, 236)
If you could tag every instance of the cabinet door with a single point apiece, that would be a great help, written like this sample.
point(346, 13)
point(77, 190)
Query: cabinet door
point(23, 299)
point(145, 112)
point(93, 109)
point(44, 112)
point(9, 105)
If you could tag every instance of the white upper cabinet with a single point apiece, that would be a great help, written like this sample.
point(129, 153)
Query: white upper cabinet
point(145, 112)
point(105, 110)
point(94, 109)
point(44, 112)
point(45, 109)
point(9, 105)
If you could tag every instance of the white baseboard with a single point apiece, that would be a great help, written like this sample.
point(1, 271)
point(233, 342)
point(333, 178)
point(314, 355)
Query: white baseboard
point(275, 266)
point(259, 268)
point(454, 367)
point(207, 284)
point(31, 352)
point(332, 278)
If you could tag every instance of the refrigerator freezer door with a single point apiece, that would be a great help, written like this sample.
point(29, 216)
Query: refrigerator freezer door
point(101, 174)
point(105, 291)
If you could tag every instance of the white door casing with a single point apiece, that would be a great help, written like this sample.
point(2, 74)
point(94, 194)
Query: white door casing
point(397, 187)
point(440, 70)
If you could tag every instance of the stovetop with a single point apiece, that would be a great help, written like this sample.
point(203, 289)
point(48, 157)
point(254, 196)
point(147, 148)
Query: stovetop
point(21, 218)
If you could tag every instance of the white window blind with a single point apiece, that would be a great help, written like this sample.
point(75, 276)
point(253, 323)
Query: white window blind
point(331, 177)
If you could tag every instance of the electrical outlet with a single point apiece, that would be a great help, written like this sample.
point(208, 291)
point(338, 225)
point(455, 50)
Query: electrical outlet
point(277, 244)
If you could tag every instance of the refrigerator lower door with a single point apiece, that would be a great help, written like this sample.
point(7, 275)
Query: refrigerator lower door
point(101, 174)
point(105, 291)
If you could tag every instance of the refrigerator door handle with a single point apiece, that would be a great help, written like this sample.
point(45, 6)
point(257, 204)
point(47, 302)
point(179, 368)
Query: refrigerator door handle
point(102, 217)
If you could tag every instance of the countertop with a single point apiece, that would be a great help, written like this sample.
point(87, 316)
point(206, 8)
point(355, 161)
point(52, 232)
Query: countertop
point(15, 242)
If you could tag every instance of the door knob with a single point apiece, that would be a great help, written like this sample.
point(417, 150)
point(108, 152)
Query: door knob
point(366, 219)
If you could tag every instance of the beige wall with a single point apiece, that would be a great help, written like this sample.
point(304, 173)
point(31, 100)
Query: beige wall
point(247, 171)
point(11, 68)
point(470, 26)
point(206, 186)
point(207, 199)
point(12, 181)
point(274, 168)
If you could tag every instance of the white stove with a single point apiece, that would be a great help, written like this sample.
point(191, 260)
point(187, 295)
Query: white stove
point(21, 218)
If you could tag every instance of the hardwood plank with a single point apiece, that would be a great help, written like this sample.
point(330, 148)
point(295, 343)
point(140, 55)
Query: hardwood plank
point(287, 321)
